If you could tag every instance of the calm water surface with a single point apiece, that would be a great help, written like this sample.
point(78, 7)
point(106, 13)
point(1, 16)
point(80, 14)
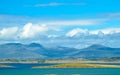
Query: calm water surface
point(22, 69)
point(92, 71)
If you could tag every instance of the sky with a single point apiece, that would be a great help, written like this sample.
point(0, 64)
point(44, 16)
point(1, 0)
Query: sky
point(71, 23)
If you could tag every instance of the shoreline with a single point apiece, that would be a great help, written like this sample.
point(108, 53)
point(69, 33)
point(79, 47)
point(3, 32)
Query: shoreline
point(58, 61)
point(66, 65)
point(75, 63)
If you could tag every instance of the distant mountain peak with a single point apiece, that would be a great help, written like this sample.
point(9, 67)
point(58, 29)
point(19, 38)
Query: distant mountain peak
point(96, 46)
point(35, 45)
point(37, 51)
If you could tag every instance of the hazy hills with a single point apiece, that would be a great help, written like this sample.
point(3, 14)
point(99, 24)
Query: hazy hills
point(37, 51)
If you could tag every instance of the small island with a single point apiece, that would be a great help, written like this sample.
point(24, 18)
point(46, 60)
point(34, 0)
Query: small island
point(5, 66)
point(78, 65)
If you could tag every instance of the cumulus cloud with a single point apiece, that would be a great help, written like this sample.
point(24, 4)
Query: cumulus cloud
point(106, 31)
point(76, 32)
point(9, 32)
point(30, 30)
point(33, 32)
point(100, 32)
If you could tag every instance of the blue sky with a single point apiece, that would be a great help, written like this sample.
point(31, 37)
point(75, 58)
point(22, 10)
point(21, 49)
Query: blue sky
point(33, 19)
point(58, 10)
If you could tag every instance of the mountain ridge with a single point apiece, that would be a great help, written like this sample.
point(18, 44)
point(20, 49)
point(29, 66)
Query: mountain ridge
point(37, 51)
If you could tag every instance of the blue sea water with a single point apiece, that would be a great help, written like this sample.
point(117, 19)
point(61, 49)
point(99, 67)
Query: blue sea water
point(26, 66)
point(72, 71)
point(25, 69)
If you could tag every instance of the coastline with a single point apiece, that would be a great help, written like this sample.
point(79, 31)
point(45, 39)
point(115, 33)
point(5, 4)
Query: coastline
point(59, 61)
point(75, 63)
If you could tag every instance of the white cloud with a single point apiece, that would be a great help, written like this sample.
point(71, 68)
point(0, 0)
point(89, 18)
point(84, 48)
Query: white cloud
point(30, 30)
point(76, 32)
point(77, 22)
point(49, 4)
point(9, 32)
point(106, 31)
point(100, 32)
point(59, 4)
point(33, 32)
point(52, 36)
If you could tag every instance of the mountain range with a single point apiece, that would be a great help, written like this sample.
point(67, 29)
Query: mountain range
point(37, 51)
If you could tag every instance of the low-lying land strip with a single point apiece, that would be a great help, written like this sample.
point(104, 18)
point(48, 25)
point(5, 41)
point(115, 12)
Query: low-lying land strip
point(68, 63)
point(78, 65)
point(61, 61)
point(5, 66)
